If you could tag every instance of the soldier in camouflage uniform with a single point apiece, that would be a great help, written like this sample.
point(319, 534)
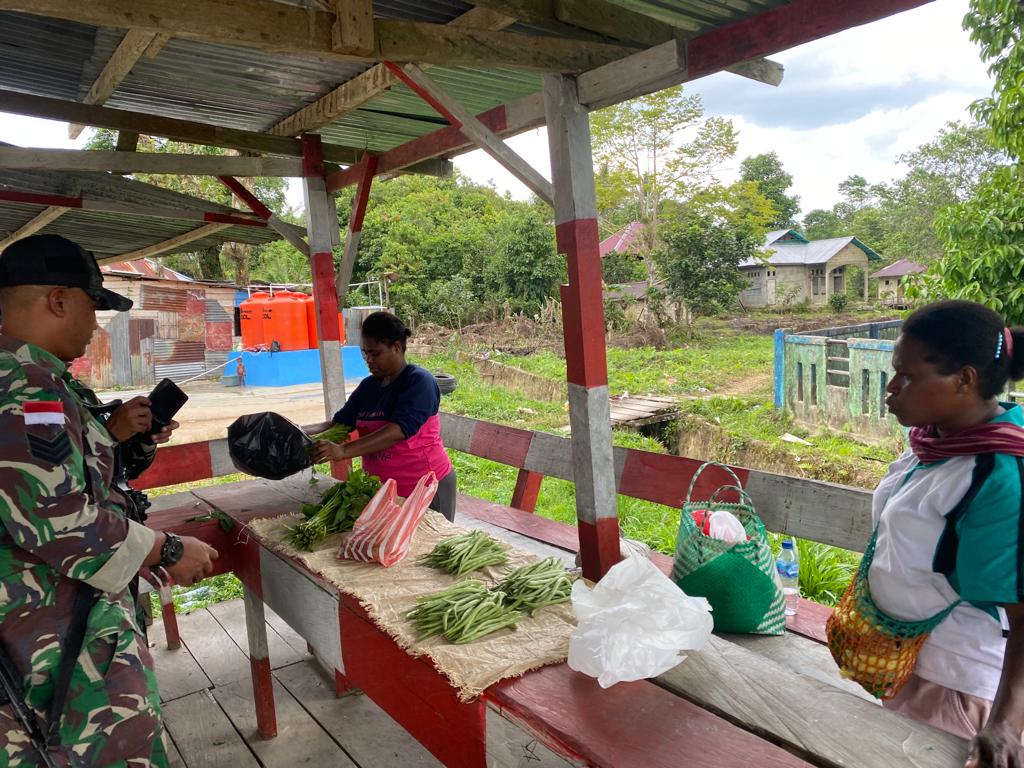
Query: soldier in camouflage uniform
point(63, 522)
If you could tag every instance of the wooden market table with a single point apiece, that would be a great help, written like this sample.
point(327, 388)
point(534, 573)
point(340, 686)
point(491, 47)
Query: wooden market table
point(774, 700)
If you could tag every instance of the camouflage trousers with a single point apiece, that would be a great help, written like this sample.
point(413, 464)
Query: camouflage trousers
point(112, 716)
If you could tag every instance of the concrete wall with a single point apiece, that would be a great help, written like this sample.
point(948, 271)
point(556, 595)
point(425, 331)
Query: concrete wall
point(837, 377)
point(283, 369)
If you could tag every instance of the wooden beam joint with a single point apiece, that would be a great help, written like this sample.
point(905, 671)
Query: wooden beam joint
point(352, 31)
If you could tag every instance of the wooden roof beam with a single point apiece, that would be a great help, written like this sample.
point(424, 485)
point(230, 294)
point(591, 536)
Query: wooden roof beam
point(165, 127)
point(231, 218)
point(167, 245)
point(376, 80)
point(474, 129)
point(280, 28)
point(37, 223)
point(30, 158)
point(133, 45)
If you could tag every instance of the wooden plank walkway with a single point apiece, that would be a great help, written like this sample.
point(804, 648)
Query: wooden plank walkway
point(210, 716)
point(638, 410)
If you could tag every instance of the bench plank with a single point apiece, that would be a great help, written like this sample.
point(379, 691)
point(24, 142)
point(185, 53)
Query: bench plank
point(808, 716)
point(630, 725)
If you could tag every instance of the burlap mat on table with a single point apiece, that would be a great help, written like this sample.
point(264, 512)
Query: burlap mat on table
point(388, 593)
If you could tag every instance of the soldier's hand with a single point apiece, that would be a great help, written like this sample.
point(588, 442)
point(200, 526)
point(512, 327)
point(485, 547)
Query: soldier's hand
point(165, 434)
point(195, 564)
point(132, 418)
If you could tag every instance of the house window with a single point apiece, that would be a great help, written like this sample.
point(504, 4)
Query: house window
point(817, 281)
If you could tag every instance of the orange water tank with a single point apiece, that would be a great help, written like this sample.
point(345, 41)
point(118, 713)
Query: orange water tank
point(250, 315)
point(284, 321)
point(311, 323)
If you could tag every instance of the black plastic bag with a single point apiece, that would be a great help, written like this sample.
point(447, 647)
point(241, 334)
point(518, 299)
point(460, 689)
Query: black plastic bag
point(268, 445)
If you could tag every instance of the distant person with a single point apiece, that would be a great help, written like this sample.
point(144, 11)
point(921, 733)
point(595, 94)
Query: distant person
point(395, 410)
point(949, 546)
point(240, 372)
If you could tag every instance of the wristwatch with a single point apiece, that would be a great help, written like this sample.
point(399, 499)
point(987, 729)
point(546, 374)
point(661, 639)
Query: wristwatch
point(171, 551)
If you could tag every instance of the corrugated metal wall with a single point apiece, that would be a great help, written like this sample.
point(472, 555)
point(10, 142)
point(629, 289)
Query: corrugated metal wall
point(175, 330)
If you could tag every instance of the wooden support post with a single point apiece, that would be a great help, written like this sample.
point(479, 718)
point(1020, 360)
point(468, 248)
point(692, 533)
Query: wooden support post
point(322, 223)
point(527, 490)
point(368, 167)
point(259, 663)
point(572, 171)
point(865, 272)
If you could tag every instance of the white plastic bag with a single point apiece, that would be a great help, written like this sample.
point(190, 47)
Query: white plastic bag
point(634, 624)
point(725, 526)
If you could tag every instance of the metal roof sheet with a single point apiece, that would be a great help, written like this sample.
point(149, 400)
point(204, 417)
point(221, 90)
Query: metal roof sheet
point(809, 253)
point(244, 88)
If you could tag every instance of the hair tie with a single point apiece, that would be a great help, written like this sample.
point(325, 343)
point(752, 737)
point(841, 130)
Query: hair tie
point(1008, 336)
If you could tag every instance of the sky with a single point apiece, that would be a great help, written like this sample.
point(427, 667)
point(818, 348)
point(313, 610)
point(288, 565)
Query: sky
point(849, 104)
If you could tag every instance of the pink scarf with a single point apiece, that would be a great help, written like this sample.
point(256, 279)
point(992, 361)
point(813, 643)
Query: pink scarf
point(998, 437)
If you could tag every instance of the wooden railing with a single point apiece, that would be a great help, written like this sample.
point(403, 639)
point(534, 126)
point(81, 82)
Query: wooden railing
point(808, 509)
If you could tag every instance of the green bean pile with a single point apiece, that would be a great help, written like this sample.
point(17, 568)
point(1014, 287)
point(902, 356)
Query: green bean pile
point(467, 552)
point(533, 586)
point(462, 613)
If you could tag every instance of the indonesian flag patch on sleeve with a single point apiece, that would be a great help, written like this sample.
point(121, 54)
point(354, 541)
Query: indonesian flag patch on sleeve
point(43, 412)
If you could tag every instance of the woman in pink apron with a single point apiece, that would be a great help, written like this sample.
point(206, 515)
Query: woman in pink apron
point(395, 410)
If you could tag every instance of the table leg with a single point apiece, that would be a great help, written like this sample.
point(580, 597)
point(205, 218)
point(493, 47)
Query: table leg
point(259, 662)
point(170, 619)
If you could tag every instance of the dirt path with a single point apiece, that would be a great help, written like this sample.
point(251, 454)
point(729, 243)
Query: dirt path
point(754, 383)
point(211, 407)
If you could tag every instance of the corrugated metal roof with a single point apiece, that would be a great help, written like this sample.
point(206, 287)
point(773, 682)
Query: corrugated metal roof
point(245, 88)
point(112, 234)
point(809, 253)
point(900, 268)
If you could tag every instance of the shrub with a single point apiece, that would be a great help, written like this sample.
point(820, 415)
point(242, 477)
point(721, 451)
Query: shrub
point(838, 301)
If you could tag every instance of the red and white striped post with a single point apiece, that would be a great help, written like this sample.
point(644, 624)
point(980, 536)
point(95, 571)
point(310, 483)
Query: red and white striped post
point(322, 234)
point(572, 172)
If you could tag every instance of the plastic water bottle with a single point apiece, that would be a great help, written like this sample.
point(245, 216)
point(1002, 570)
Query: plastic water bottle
point(788, 566)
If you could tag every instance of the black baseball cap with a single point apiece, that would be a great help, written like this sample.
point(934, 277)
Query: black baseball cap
point(55, 260)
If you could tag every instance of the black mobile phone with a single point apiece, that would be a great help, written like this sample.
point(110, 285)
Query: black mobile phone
point(165, 400)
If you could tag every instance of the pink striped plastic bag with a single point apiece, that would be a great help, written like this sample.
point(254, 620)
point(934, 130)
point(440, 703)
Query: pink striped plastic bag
point(383, 532)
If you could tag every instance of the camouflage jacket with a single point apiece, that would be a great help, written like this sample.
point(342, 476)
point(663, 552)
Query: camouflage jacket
point(63, 522)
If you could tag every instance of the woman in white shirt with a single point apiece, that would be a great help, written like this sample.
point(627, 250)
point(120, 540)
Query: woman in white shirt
point(950, 529)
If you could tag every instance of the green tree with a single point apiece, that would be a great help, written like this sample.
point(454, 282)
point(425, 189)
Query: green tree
point(984, 235)
point(700, 264)
point(773, 182)
point(651, 149)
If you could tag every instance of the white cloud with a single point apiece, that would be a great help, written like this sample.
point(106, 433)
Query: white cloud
point(851, 103)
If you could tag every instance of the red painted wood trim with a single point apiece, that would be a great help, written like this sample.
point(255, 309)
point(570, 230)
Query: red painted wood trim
point(433, 144)
point(177, 464)
point(367, 170)
point(664, 479)
point(409, 689)
point(326, 296)
point(312, 155)
point(788, 25)
point(630, 725)
point(242, 193)
point(415, 87)
point(506, 445)
point(582, 305)
point(527, 490)
point(226, 218)
point(263, 692)
point(599, 546)
point(33, 198)
point(171, 633)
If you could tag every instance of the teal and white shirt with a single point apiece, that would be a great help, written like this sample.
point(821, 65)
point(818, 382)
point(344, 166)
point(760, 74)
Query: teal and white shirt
point(953, 530)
